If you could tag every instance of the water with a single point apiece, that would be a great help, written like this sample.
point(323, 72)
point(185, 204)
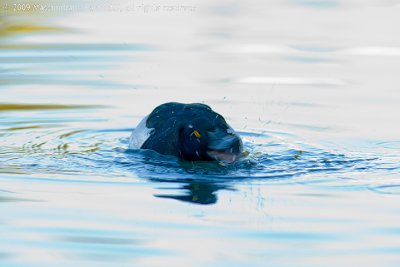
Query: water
point(311, 86)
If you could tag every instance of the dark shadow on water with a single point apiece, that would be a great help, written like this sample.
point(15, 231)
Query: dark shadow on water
point(193, 182)
point(202, 193)
point(199, 182)
point(99, 156)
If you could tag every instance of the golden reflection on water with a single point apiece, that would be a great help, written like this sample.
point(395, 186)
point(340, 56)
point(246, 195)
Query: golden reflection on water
point(6, 30)
point(17, 18)
point(25, 128)
point(13, 106)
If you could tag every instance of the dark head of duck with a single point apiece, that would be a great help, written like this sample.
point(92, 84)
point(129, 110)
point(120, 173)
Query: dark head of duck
point(190, 132)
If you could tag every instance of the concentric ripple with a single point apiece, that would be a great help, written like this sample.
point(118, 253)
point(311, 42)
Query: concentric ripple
point(44, 148)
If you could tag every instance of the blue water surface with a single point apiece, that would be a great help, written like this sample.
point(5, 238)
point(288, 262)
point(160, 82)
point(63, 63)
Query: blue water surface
point(312, 93)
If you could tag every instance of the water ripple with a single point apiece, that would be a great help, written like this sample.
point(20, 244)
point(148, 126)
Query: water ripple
point(68, 150)
point(393, 189)
point(291, 81)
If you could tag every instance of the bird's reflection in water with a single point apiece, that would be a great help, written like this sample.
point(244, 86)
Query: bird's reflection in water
point(203, 193)
point(196, 182)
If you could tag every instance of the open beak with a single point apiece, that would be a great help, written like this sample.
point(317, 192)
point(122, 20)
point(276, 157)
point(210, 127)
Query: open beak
point(223, 146)
point(223, 156)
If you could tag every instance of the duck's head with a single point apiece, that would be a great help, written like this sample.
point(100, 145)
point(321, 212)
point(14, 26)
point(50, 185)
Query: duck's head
point(209, 137)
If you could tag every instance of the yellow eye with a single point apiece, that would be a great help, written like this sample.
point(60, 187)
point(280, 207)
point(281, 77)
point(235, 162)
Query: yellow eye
point(197, 134)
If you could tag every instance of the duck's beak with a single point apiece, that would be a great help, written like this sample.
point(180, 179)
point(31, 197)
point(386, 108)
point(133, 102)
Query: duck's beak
point(225, 146)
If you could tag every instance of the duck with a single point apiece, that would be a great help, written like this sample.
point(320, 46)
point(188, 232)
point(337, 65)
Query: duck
point(190, 132)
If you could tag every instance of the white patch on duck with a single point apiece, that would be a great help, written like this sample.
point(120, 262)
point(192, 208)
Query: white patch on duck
point(140, 134)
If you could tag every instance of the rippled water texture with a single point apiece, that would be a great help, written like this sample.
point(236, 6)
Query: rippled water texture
point(312, 87)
